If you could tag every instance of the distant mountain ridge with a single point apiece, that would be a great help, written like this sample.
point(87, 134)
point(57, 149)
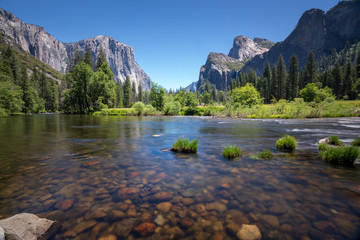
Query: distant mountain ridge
point(35, 40)
point(316, 31)
point(220, 68)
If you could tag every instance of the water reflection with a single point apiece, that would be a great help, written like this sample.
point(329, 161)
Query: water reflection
point(94, 174)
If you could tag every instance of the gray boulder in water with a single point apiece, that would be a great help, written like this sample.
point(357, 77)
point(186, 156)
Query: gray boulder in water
point(25, 226)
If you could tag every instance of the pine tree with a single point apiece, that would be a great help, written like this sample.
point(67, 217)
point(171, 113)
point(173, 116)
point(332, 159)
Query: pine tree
point(358, 65)
point(77, 58)
point(119, 94)
point(133, 92)
point(267, 82)
point(28, 96)
point(338, 80)
point(310, 69)
point(101, 58)
point(140, 93)
point(89, 58)
point(349, 80)
point(274, 86)
point(293, 84)
point(281, 78)
point(127, 93)
point(213, 93)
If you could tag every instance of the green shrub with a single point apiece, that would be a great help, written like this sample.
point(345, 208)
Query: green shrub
point(323, 146)
point(286, 143)
point(266, 154)
point(340, 155)
point(185, 146)
point(231, 152)
point(356, 142)
point(139, 108)
point(334, 140)
point(172, 108)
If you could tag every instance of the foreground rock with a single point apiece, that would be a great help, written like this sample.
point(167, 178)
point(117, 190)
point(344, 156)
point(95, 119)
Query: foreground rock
point(249, 232)
point(25, 226)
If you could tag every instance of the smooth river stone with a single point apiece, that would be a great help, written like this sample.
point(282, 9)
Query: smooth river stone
point(164, 207)
point(248, 232)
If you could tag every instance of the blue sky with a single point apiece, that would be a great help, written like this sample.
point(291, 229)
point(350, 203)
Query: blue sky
point(171, 38)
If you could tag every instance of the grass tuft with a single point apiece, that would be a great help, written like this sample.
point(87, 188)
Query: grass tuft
point(185, 146)
point(266, 154)
point(356, 142)
point(340, 155)
point(334, 140)
point(231, 152)
point(286, 143)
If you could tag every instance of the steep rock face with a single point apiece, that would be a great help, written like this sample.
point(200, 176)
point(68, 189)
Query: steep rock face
point(191, 87)
point(48, 49)
point(120, 57)
point(317, 32)
point(220, 68)
point(34, 40)
point(245, 48)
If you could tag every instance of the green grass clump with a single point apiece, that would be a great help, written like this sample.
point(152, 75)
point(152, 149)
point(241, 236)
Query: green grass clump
point(356, 142)
point(232, 152)
point(185, 146)
point(323, 146)
point(286, 143)
point(334, 140)
point(340, 155)
point(266, 154)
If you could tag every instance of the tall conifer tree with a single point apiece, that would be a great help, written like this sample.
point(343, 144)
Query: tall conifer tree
point(281, 77)
point(293, 84)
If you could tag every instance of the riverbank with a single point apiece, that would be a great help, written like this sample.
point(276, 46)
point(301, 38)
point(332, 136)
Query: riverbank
point(297, 109)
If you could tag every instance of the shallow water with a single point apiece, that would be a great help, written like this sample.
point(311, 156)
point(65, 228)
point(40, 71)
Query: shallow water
point(101, 176)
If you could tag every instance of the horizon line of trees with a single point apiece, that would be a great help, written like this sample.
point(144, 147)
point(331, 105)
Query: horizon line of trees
point(90, 85)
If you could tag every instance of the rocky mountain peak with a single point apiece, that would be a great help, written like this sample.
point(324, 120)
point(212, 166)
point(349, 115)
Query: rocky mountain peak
point(36, 41)
point(245, 48)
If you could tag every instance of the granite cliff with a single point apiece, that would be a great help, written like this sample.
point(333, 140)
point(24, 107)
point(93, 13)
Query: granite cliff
point(316, 31)
point(35, 40)
point(220, 68)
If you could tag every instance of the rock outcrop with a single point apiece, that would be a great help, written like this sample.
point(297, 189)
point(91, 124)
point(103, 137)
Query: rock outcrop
point(25, 226)
point(220, 68)
point(35, 40)
point(316, 31)
point(191, 87)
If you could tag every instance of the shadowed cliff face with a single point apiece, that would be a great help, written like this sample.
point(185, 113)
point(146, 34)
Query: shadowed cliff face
point(47, 48)
point(220, 68)
point(317, 32)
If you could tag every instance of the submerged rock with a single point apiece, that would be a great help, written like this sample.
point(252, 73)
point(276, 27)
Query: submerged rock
point(124, 227)
point(164, 207)
point(249, 232)
point(145, 229)
point(25, 226)
point(64, 204)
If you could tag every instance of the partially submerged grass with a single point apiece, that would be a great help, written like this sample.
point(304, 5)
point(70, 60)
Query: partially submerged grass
point(184, 145)
point(266, 154)
point(334, 140)
point(323, 146)
point(356, 142)
point(286, 143)
point(232, 152)
point(340, 155)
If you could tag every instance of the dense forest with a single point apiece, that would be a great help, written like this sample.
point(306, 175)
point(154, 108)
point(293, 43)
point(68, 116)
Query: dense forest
point(89, 86)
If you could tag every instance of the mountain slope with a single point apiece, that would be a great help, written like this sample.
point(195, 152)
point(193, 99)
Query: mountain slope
point(35, 40)
point(316, 31)
point(220, 68)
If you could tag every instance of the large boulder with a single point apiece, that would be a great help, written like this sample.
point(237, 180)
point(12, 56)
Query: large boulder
point(25, 226)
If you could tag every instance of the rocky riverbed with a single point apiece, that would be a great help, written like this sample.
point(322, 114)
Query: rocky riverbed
point(97, 186)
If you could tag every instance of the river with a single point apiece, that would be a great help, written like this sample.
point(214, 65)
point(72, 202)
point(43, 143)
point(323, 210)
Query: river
point(103, 176)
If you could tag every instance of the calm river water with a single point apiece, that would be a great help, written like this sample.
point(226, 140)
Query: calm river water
point(106, 176)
